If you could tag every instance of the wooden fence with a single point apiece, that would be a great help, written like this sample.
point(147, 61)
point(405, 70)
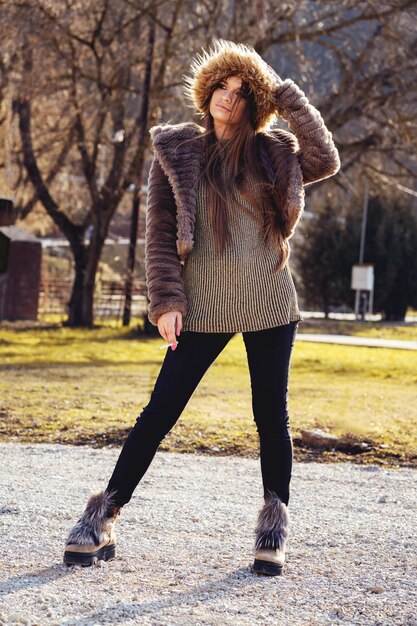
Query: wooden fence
point(108, 298)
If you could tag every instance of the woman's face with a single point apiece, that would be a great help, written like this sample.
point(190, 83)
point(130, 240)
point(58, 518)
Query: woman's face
point(227, 105)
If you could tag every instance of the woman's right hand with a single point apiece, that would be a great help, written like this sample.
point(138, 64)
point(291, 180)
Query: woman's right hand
point(169, 325)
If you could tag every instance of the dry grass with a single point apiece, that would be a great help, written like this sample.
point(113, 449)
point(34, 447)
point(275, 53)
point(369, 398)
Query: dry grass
point(79, 386)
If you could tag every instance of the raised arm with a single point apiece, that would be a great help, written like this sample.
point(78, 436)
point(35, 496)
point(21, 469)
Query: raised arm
point(318, 156)
point(162, 264)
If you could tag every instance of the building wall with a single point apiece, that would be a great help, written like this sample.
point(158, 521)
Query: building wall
point(19, 292)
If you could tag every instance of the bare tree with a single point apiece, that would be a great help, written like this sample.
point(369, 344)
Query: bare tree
point(356, 60)
point(80, 98)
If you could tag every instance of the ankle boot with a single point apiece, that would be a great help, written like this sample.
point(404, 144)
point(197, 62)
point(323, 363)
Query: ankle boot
point(271, 536)
point(93, 538)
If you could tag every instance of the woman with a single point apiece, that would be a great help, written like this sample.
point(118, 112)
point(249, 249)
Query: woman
point(223, 201)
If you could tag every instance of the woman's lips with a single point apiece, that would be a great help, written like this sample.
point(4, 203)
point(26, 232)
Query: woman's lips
point(223, 107)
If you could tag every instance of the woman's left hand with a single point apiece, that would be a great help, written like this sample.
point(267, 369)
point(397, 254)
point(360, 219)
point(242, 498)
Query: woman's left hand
point(169, 326)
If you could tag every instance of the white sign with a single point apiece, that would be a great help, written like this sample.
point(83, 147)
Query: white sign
point(362, 277)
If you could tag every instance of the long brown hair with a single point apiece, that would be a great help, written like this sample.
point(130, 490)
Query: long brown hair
point(243, 156)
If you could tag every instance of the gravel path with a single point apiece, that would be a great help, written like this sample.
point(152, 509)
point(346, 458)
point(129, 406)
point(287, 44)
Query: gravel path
point(185, 544)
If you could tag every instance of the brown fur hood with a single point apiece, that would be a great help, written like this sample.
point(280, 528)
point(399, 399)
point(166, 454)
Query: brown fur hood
point(227, 58)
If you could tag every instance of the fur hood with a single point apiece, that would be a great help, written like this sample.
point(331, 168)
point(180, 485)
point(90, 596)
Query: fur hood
point(226, 58)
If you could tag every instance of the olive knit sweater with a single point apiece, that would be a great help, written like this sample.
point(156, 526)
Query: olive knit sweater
point(235, 291)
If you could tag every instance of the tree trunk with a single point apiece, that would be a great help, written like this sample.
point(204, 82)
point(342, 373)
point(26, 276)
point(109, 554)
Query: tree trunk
point(81, 305)
point(143, 125)
point(395, 313)
point(131, 259)
point(88, 304)
point(325, 300)
point(75, 307)
point(94, 251)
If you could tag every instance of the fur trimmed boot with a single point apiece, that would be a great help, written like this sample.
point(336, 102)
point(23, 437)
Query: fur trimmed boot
point(271, 535)
point(93, 538)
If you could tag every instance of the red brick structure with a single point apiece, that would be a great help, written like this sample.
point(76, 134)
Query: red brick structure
point(20, 270)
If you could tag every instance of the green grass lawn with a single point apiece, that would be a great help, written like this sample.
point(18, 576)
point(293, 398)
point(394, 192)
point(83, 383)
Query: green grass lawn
point(87, 387)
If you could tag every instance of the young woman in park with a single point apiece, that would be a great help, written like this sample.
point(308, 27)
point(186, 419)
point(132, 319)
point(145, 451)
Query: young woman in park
point(223, 201)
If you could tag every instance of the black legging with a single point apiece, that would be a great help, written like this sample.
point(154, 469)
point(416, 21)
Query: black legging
point(268, 353)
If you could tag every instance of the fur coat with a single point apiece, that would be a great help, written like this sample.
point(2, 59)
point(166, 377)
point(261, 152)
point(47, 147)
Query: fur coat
point(298, 158)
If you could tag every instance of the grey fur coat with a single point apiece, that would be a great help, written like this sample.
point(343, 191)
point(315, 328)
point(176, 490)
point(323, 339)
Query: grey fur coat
point(299, 158)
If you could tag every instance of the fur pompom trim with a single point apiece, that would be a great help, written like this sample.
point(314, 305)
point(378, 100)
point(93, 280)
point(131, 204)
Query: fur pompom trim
point(227, 58)
point(94, 525)
point(273, 525)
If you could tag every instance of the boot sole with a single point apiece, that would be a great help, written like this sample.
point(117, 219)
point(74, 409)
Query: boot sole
point(87, 559)
point(266, 568)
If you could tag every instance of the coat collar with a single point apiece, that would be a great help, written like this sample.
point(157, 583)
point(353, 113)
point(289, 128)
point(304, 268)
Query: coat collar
point(179, 149)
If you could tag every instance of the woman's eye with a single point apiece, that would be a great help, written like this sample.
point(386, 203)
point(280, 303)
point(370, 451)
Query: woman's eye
point(242, 94)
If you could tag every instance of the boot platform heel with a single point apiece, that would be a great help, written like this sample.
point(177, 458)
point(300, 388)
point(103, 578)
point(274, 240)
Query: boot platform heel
point(93, 538)
point(85, 556)
point(271, 537)
point(268, 562)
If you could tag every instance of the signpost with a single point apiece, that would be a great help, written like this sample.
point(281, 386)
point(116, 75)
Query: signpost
point(362, 279)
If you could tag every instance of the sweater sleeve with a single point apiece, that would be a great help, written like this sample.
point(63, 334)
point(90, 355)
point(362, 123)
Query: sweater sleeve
point(318, 155)
point(162, 264)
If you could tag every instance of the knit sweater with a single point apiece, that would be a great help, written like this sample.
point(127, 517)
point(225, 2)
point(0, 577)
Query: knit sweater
point(235, 291)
